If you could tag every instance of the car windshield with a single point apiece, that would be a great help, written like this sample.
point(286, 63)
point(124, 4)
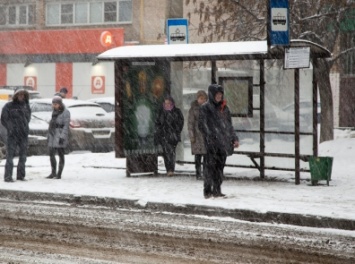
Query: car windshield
point(38, 107)
point(86, 110)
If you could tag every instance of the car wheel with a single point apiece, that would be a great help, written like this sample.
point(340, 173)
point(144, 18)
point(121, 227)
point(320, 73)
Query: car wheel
point(2, 150)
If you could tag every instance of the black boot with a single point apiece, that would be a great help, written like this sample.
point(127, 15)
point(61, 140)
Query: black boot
point(60, 170)
point(198, 166)
point(53, 173)
point(207, 193)
point(217, 191)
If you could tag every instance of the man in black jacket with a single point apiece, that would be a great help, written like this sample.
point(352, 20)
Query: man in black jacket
point(15, 117)
point(215, 123)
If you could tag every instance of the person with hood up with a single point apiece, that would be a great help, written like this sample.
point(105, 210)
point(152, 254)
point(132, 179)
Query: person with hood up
point(197, 141)
point(169, 124)
point(215, 123)
point(15, 117)
point(58, 136)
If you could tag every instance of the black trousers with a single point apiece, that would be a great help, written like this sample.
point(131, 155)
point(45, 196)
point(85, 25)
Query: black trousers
point(213, 176)
point(169, 154)
point(61, 152)
point(198, 163)
point(12, 143)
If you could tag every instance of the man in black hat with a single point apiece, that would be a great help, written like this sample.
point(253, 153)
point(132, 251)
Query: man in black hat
point(15, 117)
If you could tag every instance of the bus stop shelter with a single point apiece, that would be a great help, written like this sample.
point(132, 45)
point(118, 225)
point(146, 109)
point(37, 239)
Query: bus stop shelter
point(256, 76)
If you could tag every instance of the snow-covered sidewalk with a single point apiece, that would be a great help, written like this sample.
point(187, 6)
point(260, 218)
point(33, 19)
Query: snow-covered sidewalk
point(98, 174)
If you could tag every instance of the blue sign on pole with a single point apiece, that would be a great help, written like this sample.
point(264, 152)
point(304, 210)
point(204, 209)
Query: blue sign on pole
point(279, 23)
point(177, 31)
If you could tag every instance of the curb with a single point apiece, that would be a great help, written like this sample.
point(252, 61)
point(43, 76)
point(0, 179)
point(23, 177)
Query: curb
point(240, 214)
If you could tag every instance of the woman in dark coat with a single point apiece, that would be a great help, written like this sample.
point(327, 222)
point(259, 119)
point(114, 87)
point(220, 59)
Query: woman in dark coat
point(168, 125)
point(197, 141)
point(58, 136)
point(215, 123)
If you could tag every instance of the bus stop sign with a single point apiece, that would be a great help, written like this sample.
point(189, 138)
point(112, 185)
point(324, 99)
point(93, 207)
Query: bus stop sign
point(177, 31)
point(278, 23)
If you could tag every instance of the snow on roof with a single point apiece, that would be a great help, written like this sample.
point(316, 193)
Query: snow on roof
point(186, 50)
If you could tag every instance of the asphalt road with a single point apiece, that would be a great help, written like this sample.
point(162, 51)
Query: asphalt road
point(48, 232)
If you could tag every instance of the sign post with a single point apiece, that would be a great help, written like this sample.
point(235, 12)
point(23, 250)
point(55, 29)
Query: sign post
point(278, 22)
point(177, 31)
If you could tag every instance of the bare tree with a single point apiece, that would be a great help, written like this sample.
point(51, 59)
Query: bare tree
point(318, 21)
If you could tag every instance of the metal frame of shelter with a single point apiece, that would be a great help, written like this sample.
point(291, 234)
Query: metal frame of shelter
point(213, 52)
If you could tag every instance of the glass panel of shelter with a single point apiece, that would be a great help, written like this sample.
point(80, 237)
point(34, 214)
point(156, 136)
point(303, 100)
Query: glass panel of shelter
point(279, 107)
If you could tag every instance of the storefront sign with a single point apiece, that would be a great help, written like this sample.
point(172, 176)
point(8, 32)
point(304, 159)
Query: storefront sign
point(98, 84)
point(106, 39)
point(31, 81)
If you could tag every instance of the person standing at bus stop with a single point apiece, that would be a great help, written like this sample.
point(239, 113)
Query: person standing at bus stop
point(215, 123)
point(15, 117)
point(169, 124)
point(197, 142)
point(58, 136)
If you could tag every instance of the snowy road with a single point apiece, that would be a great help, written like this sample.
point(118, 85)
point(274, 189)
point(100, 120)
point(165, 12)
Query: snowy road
point(65, 233)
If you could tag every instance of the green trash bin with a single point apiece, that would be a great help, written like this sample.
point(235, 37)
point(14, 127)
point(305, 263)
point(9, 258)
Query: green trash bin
point(321, 169)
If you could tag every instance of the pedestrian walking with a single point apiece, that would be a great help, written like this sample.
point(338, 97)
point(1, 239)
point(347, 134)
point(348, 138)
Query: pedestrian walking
point(215, 123)
point(15, 117)
point(169, 124)
point(197, 141)
point(58, 136)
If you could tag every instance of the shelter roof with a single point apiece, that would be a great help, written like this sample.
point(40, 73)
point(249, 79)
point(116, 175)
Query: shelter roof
point(208, 51)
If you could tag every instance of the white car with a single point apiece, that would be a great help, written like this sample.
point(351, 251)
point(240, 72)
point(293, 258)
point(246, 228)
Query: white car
point(91, 127)
point(107, 103)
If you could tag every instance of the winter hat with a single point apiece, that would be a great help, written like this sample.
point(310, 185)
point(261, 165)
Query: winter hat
point(63, 90)
point(57, 100)
point(201, 93)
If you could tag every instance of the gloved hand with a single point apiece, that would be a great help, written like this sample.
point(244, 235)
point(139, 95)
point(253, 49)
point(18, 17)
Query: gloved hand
point(61, 141)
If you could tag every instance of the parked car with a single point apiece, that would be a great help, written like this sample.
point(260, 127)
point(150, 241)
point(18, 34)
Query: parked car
point(6, 92)
point(37, 138)
point(91, 127)
point(107, 103)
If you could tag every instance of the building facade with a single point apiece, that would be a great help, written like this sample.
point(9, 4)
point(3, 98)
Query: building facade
point(49, 44)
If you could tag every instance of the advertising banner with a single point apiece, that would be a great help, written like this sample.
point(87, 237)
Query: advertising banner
point(143, 96)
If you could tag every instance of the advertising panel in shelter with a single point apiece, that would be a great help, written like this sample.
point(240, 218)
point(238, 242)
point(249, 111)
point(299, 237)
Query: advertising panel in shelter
point(144, 88)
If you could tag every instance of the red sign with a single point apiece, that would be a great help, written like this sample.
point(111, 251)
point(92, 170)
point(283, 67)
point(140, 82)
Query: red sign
point(97, 84)
point(106, 39)
point(31, 81)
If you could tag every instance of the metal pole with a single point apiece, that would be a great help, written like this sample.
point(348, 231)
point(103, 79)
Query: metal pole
point(297, 126)
point(315, 109)
point(262, 119)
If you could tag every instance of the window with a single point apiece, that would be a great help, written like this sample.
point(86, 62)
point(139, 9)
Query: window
point(81, 13)
point(2, 15)
point(17, 15)
point(110, 9)
point(125, 11)
point(89, 12)
point(67, 14)
point(350, 57)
